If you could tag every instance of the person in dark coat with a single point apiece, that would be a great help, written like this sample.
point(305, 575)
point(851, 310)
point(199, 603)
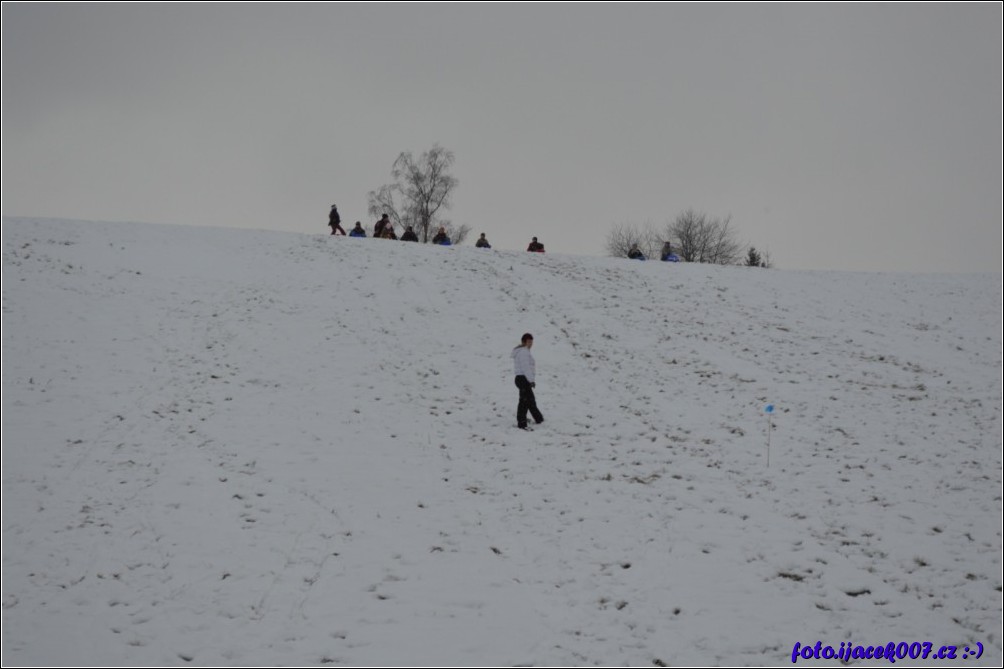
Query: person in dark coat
point(667, 254)
point(409, 235)
point(483, 242)
point(635, 253)
point(380, 225)
point(535, 246)
point(335, 221)
point(358, 230)
point(441, 238)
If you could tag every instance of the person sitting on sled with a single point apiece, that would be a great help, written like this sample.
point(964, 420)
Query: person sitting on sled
point(441, 238)
point(667, 254)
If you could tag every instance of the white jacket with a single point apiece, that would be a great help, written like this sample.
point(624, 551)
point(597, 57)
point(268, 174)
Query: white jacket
point(523, 363)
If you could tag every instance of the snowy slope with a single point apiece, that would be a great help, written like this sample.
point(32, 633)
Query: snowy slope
point(232, 447)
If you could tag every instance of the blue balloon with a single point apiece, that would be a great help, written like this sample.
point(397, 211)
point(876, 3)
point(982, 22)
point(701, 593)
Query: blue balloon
point(769, 408)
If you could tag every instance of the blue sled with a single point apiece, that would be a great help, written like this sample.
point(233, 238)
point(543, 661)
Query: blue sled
point(672, 257)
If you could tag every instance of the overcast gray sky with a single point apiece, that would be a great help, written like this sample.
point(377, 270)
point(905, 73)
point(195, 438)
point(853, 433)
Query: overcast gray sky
point(837, 136)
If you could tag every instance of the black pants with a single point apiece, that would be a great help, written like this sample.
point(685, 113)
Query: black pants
point(527, 402)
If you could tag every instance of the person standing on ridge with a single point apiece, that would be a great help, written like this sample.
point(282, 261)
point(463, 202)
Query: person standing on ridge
point(525, 368)
point(335, 221)
point(380, 225)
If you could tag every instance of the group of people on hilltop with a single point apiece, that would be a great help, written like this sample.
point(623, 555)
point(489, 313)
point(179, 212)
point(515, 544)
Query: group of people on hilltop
point(666, 255)
point(384, 229)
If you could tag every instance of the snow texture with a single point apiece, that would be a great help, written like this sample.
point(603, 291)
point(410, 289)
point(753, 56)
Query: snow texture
point(226, 447)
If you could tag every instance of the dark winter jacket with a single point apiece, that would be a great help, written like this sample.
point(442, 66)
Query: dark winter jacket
point(409, 236)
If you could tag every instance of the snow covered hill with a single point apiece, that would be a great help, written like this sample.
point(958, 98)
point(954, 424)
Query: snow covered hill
point(232, 447)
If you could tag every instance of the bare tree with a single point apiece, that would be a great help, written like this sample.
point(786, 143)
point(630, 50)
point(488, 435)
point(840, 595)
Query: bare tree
point(687, 231)
point(723, 249)
point(623, 237)
point(700, 238)
point(457, 234)
point(765, 260)
point(694, 236)
point(387, 200)
point(420, 190)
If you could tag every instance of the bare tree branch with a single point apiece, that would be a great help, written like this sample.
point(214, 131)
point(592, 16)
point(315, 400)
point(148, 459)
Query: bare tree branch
point(625, 236)
point(420, 189)
point(702, 239)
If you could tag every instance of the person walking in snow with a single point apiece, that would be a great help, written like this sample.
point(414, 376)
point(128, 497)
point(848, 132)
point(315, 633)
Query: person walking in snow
point(335, 221)
point(525, 368)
